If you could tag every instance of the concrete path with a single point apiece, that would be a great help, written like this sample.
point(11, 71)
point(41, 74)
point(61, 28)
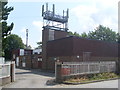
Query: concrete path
point(38, 79)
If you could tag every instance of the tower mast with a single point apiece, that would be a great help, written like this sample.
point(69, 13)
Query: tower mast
point(26, 38)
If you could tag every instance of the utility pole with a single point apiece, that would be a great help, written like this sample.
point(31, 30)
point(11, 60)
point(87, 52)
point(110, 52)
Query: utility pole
point(26, 38)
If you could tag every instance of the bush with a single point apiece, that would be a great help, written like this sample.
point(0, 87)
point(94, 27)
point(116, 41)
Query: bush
point(92, 77)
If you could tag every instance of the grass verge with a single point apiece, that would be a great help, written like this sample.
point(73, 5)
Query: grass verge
point(92, 78)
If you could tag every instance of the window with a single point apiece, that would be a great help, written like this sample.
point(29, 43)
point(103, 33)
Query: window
point(51, 34)
point(39, 59)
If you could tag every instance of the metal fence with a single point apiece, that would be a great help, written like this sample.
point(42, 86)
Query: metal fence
point(4, 70)
point(77, 68)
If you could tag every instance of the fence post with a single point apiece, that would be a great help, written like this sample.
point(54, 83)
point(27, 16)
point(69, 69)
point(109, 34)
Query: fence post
point(58, 71)
point(118, 66)
point(12, 71)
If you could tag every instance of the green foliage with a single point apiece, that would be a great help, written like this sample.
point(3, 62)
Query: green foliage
point(6, 29)
point(103, 33)
point(102, 76)
point(93, 77)
point(12, 42)
point(118, 37)
point(39, 44)
point(100, 33)
point(76, 34)
point(73, 34)
point(84, 35)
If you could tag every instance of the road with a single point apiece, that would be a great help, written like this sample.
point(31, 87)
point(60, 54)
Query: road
point(38, 79)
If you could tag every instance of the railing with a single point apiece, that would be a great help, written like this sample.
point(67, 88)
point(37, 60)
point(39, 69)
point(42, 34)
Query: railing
point(77, 68)
point(4, 70)
point(50, 16)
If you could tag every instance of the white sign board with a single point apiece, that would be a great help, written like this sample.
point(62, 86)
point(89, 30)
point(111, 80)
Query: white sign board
point(21, 52)
point(23, 64)
point(17, 61)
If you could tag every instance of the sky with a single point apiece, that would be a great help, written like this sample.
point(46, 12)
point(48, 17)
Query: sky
point(84, 16)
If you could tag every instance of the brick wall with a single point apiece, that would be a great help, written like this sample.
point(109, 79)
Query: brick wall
point(36, 62)
point(45, 39)
point(77, 46)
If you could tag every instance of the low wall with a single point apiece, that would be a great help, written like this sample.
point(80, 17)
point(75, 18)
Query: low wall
point(5, 80)
point(51, 60)
point(63, 70)
point(7, 73)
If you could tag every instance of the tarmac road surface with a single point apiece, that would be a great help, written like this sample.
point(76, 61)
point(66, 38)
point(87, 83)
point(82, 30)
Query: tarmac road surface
point(37, 79)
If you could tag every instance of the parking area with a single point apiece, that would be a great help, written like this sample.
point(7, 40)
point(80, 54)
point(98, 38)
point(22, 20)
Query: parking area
point(38, 79)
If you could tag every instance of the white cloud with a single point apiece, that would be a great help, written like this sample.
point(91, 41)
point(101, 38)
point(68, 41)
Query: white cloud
point(95, 12)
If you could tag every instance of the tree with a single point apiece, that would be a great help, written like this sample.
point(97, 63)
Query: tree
point(12, 42)
point(76, 34)
point(118, 37)
point(103, 33)
point(39, 45)
point(4, 27)
point(84, 35)
point(73, 34)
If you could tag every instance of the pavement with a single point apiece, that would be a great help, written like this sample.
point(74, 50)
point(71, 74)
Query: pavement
point(39, 79)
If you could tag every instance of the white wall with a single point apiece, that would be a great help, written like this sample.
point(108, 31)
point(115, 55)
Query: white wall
point(37, 51)
point(21, 52)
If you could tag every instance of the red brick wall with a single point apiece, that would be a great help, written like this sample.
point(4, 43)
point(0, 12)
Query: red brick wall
point(67, 49)
point(35, 63)
point(97, 48)
point(45, 39)
point(76, 46)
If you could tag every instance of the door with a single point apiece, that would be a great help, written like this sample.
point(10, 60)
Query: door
point(86, 56)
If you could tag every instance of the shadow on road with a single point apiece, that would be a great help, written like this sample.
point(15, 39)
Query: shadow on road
point(36, 71)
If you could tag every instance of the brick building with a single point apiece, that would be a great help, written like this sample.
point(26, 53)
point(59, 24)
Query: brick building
point(20, 52)
point(33, 61)
point(27, 58)
point(58, 45)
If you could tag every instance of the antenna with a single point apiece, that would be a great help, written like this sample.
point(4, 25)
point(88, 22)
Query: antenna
point(42, 10)
point(68, 13)
point(46, 6)
point(50, 18)
point(26, 38)
point(63, 13)
point(53, 9)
